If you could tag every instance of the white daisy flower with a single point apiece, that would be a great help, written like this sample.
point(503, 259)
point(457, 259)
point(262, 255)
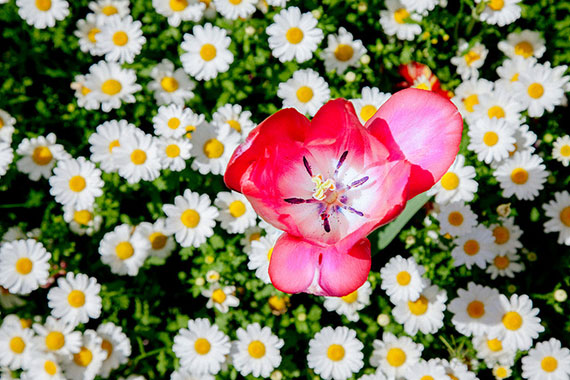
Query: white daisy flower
point(136, 157)
point(260, 255)
point(492, 351)
point(235, 117)
point(519, 323)
point(9, 300)
point(6, 157)
point(371, 100)
point(475, 247)
point(16, 347)
point(57, 337)
point(24, 266)
point(457, 184)
point(86, 364)
point(475, 310)
point(398, 21)
point(185, 374)
point(256, 351)
point(108, 8)
point(39, 155)
point(558, 210)
point(117, 346)
point(522, 175)
point(506, 235)
point(179, 10)
point(87, 31)
point(104, 141)
point(524, 140)
point(421, 6)
point(236, 213)
point(171, 120)
point(375, 376)
point(510, 70)
point(467, 95)
point(402, 279)
point(335, 353)
point(455, 369)
point(294, 35)
point(42, 13)
point(499, 104)
point(84, 100)
point(342, 51)
point(561, 150)
point(121, 39)
point(6, 126)
point(424, 314)
point(500, 12)
point(207, 52)
point(431, 369)
point(191, 218)
point(110, 84)
point(173, 153)
point(525, 44)
point(170, 85)
point(350, 304)
point(43, 367)
point(542, 88)
point(75, 299)
point(306, 91)
point(505, 264)
point(492, 140)
point(251, 234)
point(76, 183)
point(501, 372)
point(201, 347)
point(124, 252)
point(456, 219)
point(469, 59)
point(221, 298)
point(547, 361)
point(395, 356)
point(232, 9)
point(212, 148)
point(161, 243)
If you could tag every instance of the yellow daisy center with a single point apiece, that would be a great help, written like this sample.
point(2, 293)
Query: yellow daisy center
point(470, 101)
point(501, 235)
point(17, 345)
point(450, 181)
point(471, 57)
point(83, 357)
point(124, 250)
point(565, 150)
point(138, 157)
point(367, 112)
point(501, 262)
point(169, 84)
point(496, 5)
point(515, 77)
point(237, 209)
point(471, 247)
point(172, 150)
point(76, 298)
point(111, 87)
point(396, 357)
point(335, 352)
point(455, 218)
point(157, 240)
point(190, 218)
point(524, 48)
point(494, 345)
point(476, 309)
point(82, 217)
point(269, 253)
point(107, 346)
point(512, 320)
point(403, 278)
point(43, 5)
point(42, 155)
point(113, 144)
point(254, 236)
point(401, 15)
point(496, 111)
point(202, 346)
point(549, 364)
point(535, 90)
point(120, 38)
point(452, 376)
point(427, 377)
point(50, 367)
point(490, 138)
point(218, 296)
point(294, 35)
point(1, 123)
point(109, 10)
point(519, 176)
point(234, 124)
point(350, 298)
point(235, 2)
point(24, 265)
point(178, 5)
point(565, 216)
point(501, 372)
point(208, 52)
point(92, 33)
point(173, 123)
point(77, 183)
point(418, 307)
point(256, 349)
point(213, 148)
point(55, 340)
point(304, 94)
point(343, 52)
point(25, 323)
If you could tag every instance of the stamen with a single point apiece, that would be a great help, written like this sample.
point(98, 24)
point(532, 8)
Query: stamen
point(341, 161)
point(307, 166)
point(321, 187)
point(359, 213)
point(297, 201)
point(358, 182)
point(326, 225)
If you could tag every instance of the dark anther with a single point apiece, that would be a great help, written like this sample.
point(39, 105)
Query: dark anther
point(341, 161)
point(359, 182)
point(326, 225)
point(307, 166)
point(295, 201)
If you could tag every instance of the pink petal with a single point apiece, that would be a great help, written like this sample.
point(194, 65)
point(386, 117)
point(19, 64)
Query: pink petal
point(425, 127)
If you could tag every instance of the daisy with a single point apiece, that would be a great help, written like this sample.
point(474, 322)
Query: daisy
point(185, 374)
point(457, 184)
point(371, 100)
point(402, 279)
point(207, 52)
point(221, 298)
point(43, 367)
point(260, 255)
point(469, 59)
point(171, 121)
point(547, 361)
point(191, 218)
point(350, 304)
point(558, 210)
point(501, 372)
point(121, 39)
point(456, 219)
point(375, 376)
point(170, 85)
point(505, 265)
point(6, 126)
point(235, 117)
point(501, 103)
point(179, 10)
point(525, 44)
point(492, 140)
point(492, 351)
point(212, 147)
point(201, 347)
point(6, 157)
point(542, 88)
point(87, 31)
point(431, 369)
point(117, 346)
point(24, 266)
point(251, 234)
point(395, 356)
point(57, 337)
point(124, 252)
point(137, 157)
point(256, 351)
point(161, 243)
point(39, 155)
point(561, 150)
point(16, 347)
point(455, 369)
point(87, 363)
point(510, 70)
point(75, 299)
point(42, 13)
point(424, 314)
point(397, 20)
point(342, 51)
point(522, 175)
point(506, 235)
point(173, 153)
point(519, 323)
point(9, 300)
point(107, 8)
point(475, 310)
point(524, 142)
point(76, 183)
point(232, 9)
point(467, 95)
point(474, 247)
point(236, 213)
point(306, 91)
point(335, 353)
point(294, 35)
point(500, 12)
point(104, 141)
point(84, 100)
point(110, 84)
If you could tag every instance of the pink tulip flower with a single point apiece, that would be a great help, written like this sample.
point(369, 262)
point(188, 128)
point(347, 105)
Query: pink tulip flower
point(331, 181)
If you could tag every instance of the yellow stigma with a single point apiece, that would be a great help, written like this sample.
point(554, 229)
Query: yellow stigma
point(17, 345)
point(519, 176)
point(83, 357)
point(396, 357)
point(343, 52)
point(172, 150)
point(471, 247)
point(24, 265)
point(213, 148)
point(418, 307)
point(124, 250)
point(42, 155)
point(76, 298)
point(178, 5)
point(218, 296)
point(77, 183)
point(138, 157)
point(202, 346)
point(367, 112)
point(535, 90)
point(157, 240)
point(549, 364)
point(490, 138)
point(455, 218)
point(111, 87)
point(401, 15)
point(208, 52)
point(256, 349)
point(496, 5)
point(43, 5)
point(496, 111)
point(476, 309)
point(524, 48)
point(237, 209)
point(471, 57)
point(304, 94)
point(321, 187)
point(512, 320)
point(120, 38)
point(450, 181)
point(294, 35)
point(169, 84)
point(55, 340)
point(190, 218)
